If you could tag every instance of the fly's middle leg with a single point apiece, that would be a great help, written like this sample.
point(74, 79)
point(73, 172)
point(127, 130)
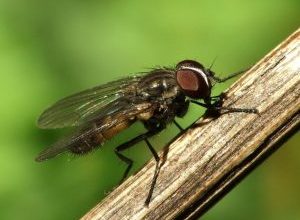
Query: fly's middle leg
point(178, 126)
point(131, 143)
point(156, 157)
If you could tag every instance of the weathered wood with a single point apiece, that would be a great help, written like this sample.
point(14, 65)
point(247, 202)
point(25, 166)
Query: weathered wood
point(212, 156)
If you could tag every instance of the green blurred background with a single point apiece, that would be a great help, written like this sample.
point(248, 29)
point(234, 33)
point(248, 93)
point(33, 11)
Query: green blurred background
point(50, 49)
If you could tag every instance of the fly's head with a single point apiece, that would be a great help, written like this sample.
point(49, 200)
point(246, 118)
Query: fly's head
point(193, 79)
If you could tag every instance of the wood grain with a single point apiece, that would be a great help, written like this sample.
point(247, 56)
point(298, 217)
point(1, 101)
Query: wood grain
point(211, 157)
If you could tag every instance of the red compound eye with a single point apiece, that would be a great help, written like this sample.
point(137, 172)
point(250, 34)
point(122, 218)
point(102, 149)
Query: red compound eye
point(192, 79)
point(187, 80)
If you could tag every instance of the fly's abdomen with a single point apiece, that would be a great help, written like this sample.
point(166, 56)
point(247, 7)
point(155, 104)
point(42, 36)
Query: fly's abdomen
point(97, 138)
point(87, 144)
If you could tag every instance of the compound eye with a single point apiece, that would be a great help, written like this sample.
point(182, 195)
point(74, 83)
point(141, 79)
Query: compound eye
point(188, 81)
point(189, 63)
point(193, 82)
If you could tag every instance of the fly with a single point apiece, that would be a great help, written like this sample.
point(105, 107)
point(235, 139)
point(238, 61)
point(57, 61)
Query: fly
point(155, 98)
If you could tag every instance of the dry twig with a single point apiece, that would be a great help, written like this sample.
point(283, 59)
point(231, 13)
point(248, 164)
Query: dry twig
point(208, 160)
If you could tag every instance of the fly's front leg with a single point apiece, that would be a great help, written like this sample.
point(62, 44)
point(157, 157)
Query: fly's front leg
point(217, 107)
point(217, 100)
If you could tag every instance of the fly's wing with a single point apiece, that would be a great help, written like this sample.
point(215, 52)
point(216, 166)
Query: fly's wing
point(125, 113)
point(76, 109)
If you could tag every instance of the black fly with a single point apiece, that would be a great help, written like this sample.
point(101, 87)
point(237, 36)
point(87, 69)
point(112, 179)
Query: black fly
point(154, 98)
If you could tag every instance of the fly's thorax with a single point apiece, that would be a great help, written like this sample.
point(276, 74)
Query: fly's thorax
point(172, 92)
point(160, 83)
point(161, 91)
point(145, 115)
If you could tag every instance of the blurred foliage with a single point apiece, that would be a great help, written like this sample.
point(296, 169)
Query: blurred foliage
point(49, 49)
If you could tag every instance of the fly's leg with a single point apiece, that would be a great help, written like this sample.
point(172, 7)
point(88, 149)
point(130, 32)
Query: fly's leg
point(229, 109)
point(157, 167)
point(178, 126)
point(218, 98)
point(125, 159)
point(154, 153)
point(129, 144)
point(156, 157)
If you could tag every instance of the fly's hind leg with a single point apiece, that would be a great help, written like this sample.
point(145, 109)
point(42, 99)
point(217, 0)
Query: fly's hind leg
point(156, 157)
point(129, 144)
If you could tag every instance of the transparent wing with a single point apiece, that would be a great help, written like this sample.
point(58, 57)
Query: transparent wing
point(76, 109)
point(100, 125)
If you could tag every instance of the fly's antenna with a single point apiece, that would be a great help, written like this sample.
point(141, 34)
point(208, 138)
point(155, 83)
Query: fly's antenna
point(230, 76)
point(212, 63)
